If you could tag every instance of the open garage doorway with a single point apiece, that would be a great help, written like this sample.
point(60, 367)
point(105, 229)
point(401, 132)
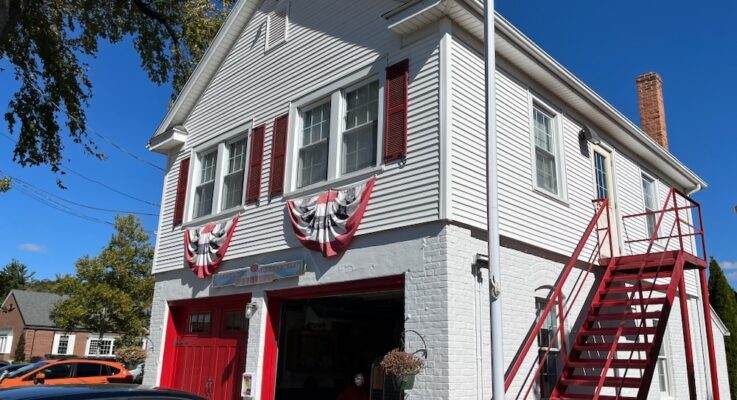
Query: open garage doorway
point(325, 341)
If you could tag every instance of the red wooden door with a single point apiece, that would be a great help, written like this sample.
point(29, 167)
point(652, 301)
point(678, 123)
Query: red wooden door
point(210, 349)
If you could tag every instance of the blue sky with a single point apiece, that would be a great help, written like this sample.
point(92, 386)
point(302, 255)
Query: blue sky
point(606, 44)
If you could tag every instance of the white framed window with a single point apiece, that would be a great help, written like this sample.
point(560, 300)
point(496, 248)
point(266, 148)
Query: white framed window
point(650, 200)
point(547, 158)
point(218, 174)
point(547, 339)
point(63, 344)
point(97, 346)
point(277, 25)
point(336, 134)
point(6, 342)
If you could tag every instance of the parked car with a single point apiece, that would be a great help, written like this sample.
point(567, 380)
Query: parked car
point(16, 372)
point(4, 371)
point(71, 371)
point(92, 392)
point(137, 373)
point(4, 364)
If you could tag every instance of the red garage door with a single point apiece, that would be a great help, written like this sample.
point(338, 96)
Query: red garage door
point(208, 347)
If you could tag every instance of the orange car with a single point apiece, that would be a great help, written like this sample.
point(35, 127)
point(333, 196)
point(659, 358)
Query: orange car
point(64, 372)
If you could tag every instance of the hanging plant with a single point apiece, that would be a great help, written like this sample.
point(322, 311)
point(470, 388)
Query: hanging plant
point(404, 366)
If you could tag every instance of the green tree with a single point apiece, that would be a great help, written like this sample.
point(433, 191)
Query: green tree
point(15, 275)
point(111, 292)
point(721, 297)
point(20, 350)
point(45, 42)
point(45, 285)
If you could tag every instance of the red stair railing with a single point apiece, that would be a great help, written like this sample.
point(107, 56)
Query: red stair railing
point(556, 298)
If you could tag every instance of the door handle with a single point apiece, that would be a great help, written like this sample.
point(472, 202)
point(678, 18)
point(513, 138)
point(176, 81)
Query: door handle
point(208, 387)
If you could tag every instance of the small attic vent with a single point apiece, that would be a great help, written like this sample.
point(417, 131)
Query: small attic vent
point(277, 25)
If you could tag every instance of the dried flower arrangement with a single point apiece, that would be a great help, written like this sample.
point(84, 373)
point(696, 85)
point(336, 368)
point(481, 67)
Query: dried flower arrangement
point(401, 363)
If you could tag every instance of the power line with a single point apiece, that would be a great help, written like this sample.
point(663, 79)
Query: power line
point(126, 151)
point(109, 187)
point(37, 189)
point(67, 169)
point(49, 202)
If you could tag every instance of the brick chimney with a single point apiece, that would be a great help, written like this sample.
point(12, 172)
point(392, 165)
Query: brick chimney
point(652, 108)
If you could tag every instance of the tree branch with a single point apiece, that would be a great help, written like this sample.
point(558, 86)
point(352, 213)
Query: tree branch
point(10, 11)
point(160, 18)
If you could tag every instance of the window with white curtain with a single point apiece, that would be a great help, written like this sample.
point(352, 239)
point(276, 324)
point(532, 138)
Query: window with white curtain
point(5, 344)
point(547, 174)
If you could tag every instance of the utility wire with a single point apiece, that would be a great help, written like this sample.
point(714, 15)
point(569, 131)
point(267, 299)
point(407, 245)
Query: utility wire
point(37, 189)
point(126, 151)
point(50, 202)
point(109, 187)
point(67, 169)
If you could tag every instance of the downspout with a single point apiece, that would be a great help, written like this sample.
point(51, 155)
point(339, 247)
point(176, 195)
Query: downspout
point(492, 209)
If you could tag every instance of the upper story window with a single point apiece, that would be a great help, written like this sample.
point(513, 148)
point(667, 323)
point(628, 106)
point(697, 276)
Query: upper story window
point(359, 137)
point(338, 135)
point(219, 175)
point(649, 187)
point(313, 153)
point(547, 162)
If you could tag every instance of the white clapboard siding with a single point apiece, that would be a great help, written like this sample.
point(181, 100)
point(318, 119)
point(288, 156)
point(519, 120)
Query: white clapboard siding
point(525, 215)
point(323, 47)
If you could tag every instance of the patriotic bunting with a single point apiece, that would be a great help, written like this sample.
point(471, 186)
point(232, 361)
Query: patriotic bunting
point(205, 246)
point(326, 222)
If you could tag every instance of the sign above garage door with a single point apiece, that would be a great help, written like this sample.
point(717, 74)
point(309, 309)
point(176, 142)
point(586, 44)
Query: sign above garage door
point(259, 273)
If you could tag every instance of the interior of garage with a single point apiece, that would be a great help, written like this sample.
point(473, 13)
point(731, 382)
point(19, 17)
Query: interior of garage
point(324, 342)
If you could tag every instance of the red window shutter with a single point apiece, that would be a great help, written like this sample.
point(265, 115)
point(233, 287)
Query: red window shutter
point(181, 191)
point(253, 190)
point(278, 155)
point(395, 125)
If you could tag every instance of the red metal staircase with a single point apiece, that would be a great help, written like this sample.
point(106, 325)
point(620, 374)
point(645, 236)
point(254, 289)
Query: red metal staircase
point(615, 351)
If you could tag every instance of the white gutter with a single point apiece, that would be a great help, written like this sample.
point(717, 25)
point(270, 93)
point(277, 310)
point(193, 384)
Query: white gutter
point(492, 209)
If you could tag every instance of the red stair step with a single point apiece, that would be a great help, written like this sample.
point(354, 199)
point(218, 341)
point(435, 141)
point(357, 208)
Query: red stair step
point(608, 346)
point(630, 289)
point(623, 316)
point(610, 381)
point(667, 262)
point(623, 302)
point(589, 396)
point(636, 277)
point(599, 363)
point(612, 331)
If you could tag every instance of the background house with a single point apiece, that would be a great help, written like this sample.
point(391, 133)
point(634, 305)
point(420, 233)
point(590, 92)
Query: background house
point(26, 313)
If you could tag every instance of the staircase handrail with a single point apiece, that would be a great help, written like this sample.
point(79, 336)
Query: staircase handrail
point(643, 304)
point(557, 296)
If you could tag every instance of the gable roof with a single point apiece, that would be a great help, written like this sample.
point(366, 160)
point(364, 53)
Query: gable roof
point(208, 66)
point(35, 307)
point(409, 16)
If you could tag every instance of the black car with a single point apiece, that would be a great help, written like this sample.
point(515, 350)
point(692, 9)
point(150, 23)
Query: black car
point(4, 364)
point(93, 392)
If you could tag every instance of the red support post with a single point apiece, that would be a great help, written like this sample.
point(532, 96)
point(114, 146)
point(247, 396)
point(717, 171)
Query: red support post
point(709, 336)
point(685, 321)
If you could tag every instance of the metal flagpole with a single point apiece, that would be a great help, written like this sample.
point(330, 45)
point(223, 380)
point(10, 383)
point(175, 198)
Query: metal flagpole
point(492, 210)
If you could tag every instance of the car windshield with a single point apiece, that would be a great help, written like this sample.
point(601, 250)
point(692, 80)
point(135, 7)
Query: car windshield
point(27, 368)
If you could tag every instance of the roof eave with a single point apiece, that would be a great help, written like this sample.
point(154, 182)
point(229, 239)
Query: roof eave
point(209, 64)
point(469, 15)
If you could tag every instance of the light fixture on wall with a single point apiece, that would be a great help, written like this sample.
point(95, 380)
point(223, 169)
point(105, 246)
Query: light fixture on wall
point(588, 135)
point(251, 309)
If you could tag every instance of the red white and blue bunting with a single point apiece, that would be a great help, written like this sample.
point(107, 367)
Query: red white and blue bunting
point(205, 246)
point(326, 222)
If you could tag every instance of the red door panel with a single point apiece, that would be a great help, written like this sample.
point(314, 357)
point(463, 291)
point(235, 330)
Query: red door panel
point(209, 349)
